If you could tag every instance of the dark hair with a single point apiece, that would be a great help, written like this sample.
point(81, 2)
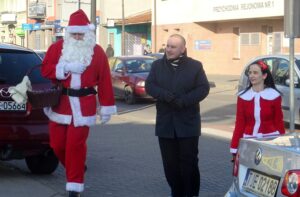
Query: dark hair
point(265, 69)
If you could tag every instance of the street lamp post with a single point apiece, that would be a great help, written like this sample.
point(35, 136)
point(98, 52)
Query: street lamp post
point(123, 29)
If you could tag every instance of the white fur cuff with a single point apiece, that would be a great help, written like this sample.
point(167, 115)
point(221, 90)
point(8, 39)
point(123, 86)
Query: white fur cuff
point(76, 187)
point(108, 110)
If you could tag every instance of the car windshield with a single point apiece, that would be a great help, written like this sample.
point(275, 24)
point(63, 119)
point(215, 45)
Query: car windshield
point(14, 65)
point(138, 65)
point(298, 64)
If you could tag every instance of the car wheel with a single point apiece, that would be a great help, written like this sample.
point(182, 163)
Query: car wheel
point(45, 163)
point(129, 97)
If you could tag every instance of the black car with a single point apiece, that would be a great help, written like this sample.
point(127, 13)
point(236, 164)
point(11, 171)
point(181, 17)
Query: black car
point(23, 130)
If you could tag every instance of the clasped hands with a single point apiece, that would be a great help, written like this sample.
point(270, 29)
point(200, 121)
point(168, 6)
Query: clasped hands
point(173, 100)
point(74, 67)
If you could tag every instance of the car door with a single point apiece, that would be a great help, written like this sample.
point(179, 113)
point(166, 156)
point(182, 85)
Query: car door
point(118, 74)
point(281, 78)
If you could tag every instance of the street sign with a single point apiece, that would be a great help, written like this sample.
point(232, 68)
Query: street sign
point(292, 18)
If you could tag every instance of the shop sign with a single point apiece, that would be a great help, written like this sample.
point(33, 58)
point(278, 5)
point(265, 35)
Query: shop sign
point(26, 26)
point(37, 26)
point(57, 23)
point(20, 32)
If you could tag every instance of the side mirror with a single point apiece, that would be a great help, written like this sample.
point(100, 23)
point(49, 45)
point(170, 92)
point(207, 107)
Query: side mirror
point(296, 81)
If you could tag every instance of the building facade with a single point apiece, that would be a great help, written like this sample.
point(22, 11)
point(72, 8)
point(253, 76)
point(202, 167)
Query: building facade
point(13, 15)
point(223, 35)
point(137, 25)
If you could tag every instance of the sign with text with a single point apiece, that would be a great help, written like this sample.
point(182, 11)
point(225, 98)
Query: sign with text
point(202, 45)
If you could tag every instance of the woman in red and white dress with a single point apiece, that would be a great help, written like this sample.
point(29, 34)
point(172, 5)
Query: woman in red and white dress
point(259, 110)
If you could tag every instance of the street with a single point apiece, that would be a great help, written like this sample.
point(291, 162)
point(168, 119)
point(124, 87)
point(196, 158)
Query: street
point(124, 158)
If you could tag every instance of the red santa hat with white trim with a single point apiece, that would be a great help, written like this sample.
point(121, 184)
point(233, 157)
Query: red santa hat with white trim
point(79, 23)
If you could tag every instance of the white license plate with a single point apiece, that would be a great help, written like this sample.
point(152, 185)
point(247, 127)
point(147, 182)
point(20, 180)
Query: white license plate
point(12, 106)
point(260, 184)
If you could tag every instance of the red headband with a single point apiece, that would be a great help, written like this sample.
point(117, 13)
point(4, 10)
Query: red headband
point(262, 65)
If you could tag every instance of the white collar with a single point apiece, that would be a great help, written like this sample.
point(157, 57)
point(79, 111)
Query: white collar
point(267, 94)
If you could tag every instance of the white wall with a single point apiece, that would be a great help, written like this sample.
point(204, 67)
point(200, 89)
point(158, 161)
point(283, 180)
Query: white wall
point(12, 5)
point(112, 9)
point(185, 11)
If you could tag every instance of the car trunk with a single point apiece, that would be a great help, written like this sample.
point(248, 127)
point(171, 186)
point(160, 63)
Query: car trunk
point(19, 121)
point(266, 159)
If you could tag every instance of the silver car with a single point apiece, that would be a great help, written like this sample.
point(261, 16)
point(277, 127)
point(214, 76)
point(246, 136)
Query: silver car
point(279, 66)
point(267, 167)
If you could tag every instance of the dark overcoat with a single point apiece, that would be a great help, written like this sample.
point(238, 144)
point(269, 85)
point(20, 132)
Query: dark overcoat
point(189, 82)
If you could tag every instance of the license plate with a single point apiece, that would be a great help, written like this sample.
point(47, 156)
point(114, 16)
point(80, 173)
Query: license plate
point(260, 184)
point(12, 106)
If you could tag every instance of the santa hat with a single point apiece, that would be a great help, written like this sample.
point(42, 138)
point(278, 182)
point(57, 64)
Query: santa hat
point(79, 23)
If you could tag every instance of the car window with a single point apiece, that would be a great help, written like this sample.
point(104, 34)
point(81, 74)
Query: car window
point(139, 65)
point(118, 67)
point(15, 64)
point(282, 72)
point(111, 62)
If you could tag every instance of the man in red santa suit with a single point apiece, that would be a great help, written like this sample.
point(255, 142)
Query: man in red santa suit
point(79, 64)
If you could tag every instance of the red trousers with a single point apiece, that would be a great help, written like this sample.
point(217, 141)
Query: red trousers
point(69, 145)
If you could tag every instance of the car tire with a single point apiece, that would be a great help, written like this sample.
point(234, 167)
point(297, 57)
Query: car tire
point(129, 96)
point(45, 163)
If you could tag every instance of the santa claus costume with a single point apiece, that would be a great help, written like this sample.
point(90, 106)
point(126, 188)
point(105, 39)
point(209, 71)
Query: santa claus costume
point(79, 66)
point(258, 114)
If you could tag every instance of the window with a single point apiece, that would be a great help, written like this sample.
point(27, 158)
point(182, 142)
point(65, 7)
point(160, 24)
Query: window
point(118, 66)
point(281, 72)
point(250, 38)
point(236, 42)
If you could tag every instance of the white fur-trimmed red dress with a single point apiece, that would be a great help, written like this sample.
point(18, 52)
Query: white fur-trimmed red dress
point(258, 114)
point(82, 109)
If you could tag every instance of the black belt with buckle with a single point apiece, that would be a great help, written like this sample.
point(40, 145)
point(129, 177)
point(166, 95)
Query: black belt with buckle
point(80, 92)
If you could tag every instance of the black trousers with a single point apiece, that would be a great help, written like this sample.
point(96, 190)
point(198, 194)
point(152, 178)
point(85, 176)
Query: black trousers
point(180, 161)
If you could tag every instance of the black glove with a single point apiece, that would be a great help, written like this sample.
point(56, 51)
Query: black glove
point(178, 103)
point(233, 157)
point(168, 96)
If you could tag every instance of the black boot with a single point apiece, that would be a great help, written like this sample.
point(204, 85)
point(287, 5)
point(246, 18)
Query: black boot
point(73, 194)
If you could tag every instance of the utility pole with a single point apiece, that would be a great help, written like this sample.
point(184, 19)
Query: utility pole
point(155, 27)
point(78, 4)
point(123, 29)
point(93, 13)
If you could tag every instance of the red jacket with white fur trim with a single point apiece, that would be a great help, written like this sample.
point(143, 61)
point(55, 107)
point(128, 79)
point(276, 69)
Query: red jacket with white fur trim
point(80, 110)
point(258, 114)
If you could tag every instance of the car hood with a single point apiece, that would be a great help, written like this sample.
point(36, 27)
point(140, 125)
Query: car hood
point(141, 75)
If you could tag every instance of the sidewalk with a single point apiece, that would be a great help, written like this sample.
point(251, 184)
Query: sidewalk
point(219, 83)
point(16, 184)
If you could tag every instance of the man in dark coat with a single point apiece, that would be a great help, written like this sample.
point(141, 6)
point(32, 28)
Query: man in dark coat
point(178, 83)
point(109, 51)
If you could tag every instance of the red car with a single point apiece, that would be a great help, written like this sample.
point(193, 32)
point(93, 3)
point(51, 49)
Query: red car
point(128, 76)
point(23, 131)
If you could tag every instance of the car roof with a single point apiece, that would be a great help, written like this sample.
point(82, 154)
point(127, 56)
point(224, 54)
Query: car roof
point(286, 56)
point(13, 47)
point(130, 57)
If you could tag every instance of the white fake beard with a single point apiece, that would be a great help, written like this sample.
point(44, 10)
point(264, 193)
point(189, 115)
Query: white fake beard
point(80, 51)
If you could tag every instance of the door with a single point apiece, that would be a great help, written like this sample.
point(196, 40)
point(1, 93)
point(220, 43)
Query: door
point(281, 79)
point(119, 77)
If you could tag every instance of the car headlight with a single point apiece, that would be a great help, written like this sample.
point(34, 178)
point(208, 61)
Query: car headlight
point(141, 83)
